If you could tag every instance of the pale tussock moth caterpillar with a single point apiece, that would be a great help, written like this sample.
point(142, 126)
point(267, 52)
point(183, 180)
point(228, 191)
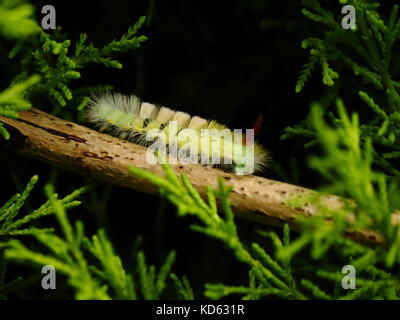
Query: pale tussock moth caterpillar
point(191, 138)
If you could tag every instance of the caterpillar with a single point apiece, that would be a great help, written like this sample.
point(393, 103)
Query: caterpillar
point(191, 138)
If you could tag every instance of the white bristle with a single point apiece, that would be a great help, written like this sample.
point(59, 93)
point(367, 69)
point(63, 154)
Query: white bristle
point(197, 123)
point(130, 104)
point(147, 111)
point(165, 114)
point(181, 118)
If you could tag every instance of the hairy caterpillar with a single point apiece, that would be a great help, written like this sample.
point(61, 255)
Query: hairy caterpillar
point(192, 139)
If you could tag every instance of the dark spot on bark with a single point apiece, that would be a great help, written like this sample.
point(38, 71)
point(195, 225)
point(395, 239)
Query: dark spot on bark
point(95, 156)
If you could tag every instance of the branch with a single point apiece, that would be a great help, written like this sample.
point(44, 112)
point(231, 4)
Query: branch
point(100, 156)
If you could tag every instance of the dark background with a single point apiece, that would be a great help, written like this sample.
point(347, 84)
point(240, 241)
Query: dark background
point(222, 60)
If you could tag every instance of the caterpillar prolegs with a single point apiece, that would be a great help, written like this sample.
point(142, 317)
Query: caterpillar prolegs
point(185, 138)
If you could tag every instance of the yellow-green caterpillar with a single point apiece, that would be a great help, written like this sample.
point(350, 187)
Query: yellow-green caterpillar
point(189, 139)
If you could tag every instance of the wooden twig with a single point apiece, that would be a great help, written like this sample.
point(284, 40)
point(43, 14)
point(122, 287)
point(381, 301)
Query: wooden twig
point(103, 157)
